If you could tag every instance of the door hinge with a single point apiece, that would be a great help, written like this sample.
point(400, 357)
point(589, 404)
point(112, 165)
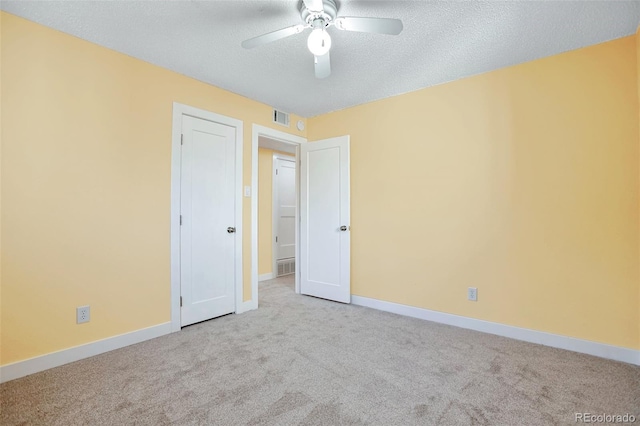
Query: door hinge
point(180, 220)
point(276, 172)
point(181, 139)
point(181, 301)
point(276, 239)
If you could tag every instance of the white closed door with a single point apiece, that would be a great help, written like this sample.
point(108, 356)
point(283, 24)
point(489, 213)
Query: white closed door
point(285, 195)
point(207, 232)
point(325, 241)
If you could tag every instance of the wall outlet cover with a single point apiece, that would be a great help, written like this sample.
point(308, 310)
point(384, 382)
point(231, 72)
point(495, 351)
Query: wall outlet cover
point(472, 294)
point(83, 314)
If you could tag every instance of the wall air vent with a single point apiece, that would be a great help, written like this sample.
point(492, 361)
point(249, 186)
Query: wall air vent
point(281, 118)
point(286, 267)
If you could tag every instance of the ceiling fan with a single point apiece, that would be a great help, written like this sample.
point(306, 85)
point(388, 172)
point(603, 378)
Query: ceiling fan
point(320, 15)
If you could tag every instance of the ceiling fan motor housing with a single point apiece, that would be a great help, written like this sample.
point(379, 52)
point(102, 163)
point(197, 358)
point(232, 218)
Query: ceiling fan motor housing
point(328, 15)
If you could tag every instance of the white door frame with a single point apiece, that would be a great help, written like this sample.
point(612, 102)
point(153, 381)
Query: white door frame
point(275, 208)
point(278, 135)
point(176, 165)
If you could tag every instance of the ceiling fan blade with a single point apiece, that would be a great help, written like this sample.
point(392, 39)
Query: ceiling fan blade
point(314, 5)
point(322, 65)
point(272, 36)
point(369, 25)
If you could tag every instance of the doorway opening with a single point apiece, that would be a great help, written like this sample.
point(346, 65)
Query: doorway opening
point(284, 200)
point(274, 152)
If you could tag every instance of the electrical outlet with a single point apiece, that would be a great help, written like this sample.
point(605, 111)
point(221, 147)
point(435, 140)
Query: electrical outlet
point(82, 314)
point(472, 294)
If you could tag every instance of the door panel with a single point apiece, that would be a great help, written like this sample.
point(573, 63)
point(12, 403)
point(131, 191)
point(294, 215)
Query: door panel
point(286, 209)
point(207, 258)
point(324, 208)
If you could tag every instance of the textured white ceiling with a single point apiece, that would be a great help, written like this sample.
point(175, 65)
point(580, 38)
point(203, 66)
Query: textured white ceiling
point(441, 41)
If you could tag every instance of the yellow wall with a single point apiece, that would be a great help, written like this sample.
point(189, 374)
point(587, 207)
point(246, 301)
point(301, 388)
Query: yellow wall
point(1, 132)
point(86, 155)
point(522, 182)
point(638, 82)
point(265, 209)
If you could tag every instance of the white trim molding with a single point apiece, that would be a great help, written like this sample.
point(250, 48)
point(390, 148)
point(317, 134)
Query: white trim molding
point(176, 163)
point(267, 276)
point(617, 353)
point(248, 305)
point(257, 131)
point(55, 359)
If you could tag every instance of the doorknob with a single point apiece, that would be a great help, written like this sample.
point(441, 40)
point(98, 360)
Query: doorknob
point(231, 230)
point(343, 228)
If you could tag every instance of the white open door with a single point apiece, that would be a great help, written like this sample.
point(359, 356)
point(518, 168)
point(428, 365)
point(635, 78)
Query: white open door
point(325, 241)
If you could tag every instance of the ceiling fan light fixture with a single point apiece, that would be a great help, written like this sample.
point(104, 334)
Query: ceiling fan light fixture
point(319, 42)
point(320, 15)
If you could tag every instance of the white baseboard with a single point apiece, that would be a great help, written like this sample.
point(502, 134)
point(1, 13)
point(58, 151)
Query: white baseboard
point(55, 359)
point(265, 277)
point(602, 350)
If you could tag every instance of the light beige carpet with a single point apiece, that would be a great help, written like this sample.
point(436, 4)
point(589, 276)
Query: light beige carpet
point(301, 360)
